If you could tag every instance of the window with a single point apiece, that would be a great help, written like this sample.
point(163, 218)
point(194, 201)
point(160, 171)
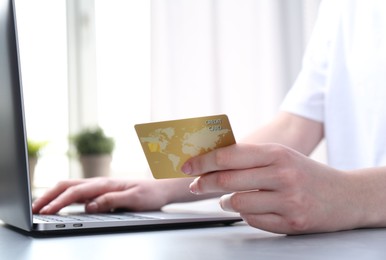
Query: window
point(43, 54)
point(123, 78)
point(62, 94)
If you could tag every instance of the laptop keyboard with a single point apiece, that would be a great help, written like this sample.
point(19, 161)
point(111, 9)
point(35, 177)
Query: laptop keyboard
point(90, 217)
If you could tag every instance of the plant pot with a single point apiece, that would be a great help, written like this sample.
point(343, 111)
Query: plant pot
point(32, 161)
point(95, 165)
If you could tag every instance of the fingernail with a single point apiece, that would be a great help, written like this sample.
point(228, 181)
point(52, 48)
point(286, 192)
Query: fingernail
point(193, 187)
point(92, 207)
point(45, 209)
point(225, 203)
point(186, 168)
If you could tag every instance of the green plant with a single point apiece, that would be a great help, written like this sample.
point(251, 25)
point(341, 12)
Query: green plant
point(93, 141)
point(34, 148)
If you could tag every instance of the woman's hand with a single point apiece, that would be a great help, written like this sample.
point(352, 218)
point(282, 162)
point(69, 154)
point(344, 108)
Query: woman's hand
point(106, 194)
point(277, 189)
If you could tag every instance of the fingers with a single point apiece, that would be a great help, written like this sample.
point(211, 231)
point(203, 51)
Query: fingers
point(268, 210)
point(238, 156)
point(80, 191)
point(264, 178)
point(269, 222)
point(111, 201)
point(253, 202)
point(260, 209)
point(245, 167)
point(53, 193)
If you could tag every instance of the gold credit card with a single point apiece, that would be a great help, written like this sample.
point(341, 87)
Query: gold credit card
point(169, 144)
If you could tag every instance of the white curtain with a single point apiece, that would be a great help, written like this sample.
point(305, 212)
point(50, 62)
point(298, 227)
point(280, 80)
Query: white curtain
point(237, 57)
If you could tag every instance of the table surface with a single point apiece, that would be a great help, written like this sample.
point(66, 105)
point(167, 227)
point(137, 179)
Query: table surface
point(238, 241)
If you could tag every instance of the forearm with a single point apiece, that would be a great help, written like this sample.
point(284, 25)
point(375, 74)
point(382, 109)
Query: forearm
point(290, 130)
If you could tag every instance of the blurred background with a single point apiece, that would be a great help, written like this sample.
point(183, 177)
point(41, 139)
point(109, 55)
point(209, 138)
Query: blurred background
point(116, 63)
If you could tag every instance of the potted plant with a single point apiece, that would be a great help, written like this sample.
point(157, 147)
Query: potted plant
point(34, 151)
point(94, 149)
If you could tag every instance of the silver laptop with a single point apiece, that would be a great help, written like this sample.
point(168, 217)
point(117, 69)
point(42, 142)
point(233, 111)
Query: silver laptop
point(15, 193)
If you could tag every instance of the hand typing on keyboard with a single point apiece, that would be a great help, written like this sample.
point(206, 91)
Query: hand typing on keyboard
point(106, 194)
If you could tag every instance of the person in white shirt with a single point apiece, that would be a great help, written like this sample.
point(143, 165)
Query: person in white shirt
point(268, 178)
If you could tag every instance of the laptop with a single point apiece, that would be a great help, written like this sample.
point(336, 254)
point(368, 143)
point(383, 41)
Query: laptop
point(15, 191)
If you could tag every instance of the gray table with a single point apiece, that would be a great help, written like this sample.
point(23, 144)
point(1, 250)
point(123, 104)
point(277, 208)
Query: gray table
point(225, 242)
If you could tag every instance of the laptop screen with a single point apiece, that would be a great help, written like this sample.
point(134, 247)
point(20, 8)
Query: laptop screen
point(15, 198)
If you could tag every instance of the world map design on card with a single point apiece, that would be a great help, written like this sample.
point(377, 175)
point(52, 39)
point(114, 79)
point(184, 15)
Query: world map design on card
point(169, 144)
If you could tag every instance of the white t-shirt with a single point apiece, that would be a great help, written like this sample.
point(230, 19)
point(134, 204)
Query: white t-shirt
point(343, 82)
